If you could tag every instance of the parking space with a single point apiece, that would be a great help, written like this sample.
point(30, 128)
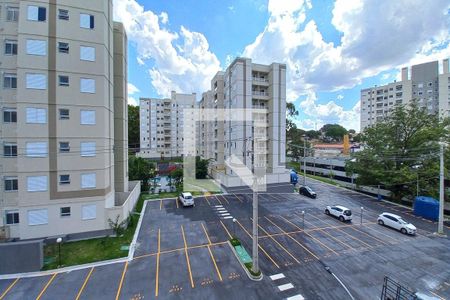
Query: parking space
point(183, 253)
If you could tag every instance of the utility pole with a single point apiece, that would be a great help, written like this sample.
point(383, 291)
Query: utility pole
point(255, 264)
point(441, 190)
point(304, 159)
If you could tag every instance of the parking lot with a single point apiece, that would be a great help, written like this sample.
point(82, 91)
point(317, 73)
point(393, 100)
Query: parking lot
point(183, 253)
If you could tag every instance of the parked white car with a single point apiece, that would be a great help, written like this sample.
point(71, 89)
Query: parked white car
point(396, 222)
point(340, 212)
point(186, 199)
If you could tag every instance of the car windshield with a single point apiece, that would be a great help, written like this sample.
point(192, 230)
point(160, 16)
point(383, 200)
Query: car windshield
point(401, 221)
point(309, 189)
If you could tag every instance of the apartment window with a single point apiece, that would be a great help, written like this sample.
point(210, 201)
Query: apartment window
point(88, 212)
point(36, 13)
point(12, 217)
point(87, 53)
point(36, 81)
point(10, 81)
point(87, 117)
point(87, 85)
point(37, 183)
point(12, 14)
point(64, 114)
point(9, 150)
point(63, 80)
point(36, 47)
point(10, 47)
point(86, 21)
point(64, 179)
point(9, 115)
point(87, 149)
point(64, 147)
point(36, 149)
point(36, 115)
point(11, 184)
point(63, 47)
point(64, 211)
point(37, 217)
point(88, 181)
point(63, 14)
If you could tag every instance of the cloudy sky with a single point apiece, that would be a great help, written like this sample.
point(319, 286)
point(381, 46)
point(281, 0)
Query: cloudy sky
point(332, 49)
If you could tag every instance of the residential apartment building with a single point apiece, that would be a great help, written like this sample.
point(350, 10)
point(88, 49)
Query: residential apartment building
point(63, 127)
point(162, 125)
point(247, 85)
point(426, 86)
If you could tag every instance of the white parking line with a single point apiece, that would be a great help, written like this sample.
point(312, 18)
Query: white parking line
point(285, 287)
point(296, 297)
point(277, 276)
point(225, 214)
point(228, 217)
point(218, 205)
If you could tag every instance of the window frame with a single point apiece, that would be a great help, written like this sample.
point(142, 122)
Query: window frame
point(11, 150)
point(14, 213)
point(13, 47)
point(12, 112)
point(66, 181)
point(63, 14)
point(63, 83)
point(64, 149)
point(91, 21)
point(40, 10)
point(12, 11)
point(65, 214)
point(12, 79)
point(63, 47)
point(15, 183)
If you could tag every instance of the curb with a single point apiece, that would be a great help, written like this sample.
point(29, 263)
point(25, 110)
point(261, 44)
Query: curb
point(250, 276)
point(136, 232)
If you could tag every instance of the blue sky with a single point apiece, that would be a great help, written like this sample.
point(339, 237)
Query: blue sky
point(332, 49)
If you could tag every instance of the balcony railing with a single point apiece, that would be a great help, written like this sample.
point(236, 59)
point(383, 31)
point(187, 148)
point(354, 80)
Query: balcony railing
point(259, 93)
point(260, 79)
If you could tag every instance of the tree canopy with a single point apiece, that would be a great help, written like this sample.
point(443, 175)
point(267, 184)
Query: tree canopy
point(334, 131)
point(140, 169)
point(398, 149)
point(133, 127)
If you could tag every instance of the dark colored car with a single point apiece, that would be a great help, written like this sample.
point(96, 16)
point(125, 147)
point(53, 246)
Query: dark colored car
point(307, 191)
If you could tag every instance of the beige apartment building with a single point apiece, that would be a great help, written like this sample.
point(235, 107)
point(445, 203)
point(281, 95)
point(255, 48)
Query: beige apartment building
point(426, 86)
point(162, 124)
point(246, 85)
point(63, 130)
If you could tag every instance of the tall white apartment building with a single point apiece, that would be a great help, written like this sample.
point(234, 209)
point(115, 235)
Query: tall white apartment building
point(426, 86)
point(63, 127)
point(162, 125)
point(247, 85)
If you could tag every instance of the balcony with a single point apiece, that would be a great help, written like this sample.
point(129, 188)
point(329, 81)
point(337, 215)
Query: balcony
point(260, 94)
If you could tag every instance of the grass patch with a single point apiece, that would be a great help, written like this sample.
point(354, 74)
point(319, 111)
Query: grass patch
point(323, 179)
point(235, 242)
point(249, 268)
point(87, 251)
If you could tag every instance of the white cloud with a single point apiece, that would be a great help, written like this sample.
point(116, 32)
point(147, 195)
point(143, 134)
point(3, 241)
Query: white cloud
point(140, 61)
point(133, 101)
point(132, 89)
point(339, 97)
point(376, 36)
point(231, 8)
point(182, 60)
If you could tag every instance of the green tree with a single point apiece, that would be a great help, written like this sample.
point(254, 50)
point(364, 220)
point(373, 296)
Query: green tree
point(201, 167)
point(140, 169)
point(177, 176)
point(313, 134)
point(133, 128)
point(334, 131)
point(398, 149)
point(294, 135)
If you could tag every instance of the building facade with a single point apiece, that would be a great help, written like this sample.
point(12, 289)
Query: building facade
point(64, 117)
point(162, 125)
point(246, 85)
point(426, 86)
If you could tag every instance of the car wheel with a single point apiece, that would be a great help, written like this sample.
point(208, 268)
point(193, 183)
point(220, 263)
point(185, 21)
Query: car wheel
point(327, 212)
point(341, 218)
point(403, 230)
point(380, 222)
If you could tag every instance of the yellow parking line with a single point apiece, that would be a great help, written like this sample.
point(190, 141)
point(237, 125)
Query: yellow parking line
point(187, 257)
point(121, 280)
point(157, 263)
point(226, 229)
point(238, 198)
point(160, 204)
point(206, 233)
point(46, 286)
point(437, 295)
point(215, 264)
point(350, 235)
point(84, 283)
point(281, 246)
point(176, 201)
point(298, 241)
point(307, 250)
point(9, 287)
point(178, 249)
point(217, 198)
point(259, 246)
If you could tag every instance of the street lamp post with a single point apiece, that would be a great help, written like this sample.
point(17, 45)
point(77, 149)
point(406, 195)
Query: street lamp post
point(303, 220)
point(58, 241)
point(304, 159)
point(234, 229)
point(362, 210)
